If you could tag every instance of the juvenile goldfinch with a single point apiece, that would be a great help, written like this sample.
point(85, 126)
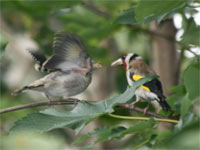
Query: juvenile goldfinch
point(136, 69)
point(70, 68)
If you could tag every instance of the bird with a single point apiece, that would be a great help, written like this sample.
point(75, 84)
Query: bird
point(69, 69)
point(136, 69)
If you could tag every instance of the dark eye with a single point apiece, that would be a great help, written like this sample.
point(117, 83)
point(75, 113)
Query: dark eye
point(123, 57)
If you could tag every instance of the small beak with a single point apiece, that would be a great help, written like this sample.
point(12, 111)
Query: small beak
point(96, 65)
point(117, 62)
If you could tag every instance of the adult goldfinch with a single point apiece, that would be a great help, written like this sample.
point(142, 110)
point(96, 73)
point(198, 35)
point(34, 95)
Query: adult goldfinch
point(70, 68)
point(136, 69)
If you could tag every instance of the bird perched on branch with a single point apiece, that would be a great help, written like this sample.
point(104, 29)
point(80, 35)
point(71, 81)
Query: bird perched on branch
point(70, 68)
point(136, 69)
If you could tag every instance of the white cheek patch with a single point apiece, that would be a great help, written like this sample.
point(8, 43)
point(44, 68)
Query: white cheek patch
point(130, 82)
point(127, 60)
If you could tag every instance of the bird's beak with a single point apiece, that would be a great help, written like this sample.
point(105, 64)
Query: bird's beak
point(117, 62)
point(96, 65)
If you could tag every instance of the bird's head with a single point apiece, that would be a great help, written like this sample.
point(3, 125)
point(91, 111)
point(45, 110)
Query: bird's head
point(126, 59)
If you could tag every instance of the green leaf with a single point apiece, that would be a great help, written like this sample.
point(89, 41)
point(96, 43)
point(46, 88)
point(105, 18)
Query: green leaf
point(163, 135)
point(185, 105)
point(127, 17)
point(191, 80)
point(188, 119)
point(139, 126)
point(177, 97)
point(156, 9)
point(80, 116)
point(113, 132)
point(191, 33)
point(188, 138)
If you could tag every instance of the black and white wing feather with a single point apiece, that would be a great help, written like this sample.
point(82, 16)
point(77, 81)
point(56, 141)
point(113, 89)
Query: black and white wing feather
point(38, 57)
point(69, 52)
point(155, 86)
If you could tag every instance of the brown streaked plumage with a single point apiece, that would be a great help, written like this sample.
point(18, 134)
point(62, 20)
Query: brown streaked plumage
point(136, 69)
point(139, 67)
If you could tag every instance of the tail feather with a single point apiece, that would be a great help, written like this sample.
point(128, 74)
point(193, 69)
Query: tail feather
point(24, 89)
point(163, 103)
point(15, 93)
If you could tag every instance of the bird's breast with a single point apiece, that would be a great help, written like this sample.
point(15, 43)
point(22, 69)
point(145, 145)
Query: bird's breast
point(67, 84)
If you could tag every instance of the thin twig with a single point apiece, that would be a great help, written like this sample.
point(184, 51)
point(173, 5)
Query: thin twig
point(69, 101)
point(97, 10)
point(142, 118)
point(74, 101)
point(141, 110)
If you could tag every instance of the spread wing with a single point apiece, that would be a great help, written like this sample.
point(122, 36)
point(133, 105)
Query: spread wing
point(38, 57)
point(69, 52)
point(151, 86)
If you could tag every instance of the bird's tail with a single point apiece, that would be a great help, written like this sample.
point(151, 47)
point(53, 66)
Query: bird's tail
point(163, 103)
point(19, 91)
point(16, 92)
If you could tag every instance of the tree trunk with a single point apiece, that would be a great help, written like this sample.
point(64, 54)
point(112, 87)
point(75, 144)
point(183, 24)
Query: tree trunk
point(165, 54)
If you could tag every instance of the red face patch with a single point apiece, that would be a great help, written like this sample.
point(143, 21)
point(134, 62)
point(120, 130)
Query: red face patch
point(123, 59)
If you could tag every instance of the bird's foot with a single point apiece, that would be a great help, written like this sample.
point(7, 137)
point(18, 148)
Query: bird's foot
point(131, 106)
point(146, 109)
point(49, 100)
point(75, 102)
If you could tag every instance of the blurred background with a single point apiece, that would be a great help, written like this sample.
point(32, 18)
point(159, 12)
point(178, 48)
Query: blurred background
point(169, 47)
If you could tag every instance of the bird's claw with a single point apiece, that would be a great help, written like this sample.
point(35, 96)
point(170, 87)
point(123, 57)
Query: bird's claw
point(49, 103)
point(131, 106)
point(145, 110)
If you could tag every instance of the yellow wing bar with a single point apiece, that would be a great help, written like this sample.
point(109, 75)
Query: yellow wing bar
point(137, 77)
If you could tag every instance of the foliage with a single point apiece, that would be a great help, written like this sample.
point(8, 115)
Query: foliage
point(79, 117)
point(189, 37)
point(125, 24)
point(146, 11)
point(107, 133)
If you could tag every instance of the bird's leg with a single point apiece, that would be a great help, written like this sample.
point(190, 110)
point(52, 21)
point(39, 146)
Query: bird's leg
point(137, 100)
point(146, 108)
point(75, 102)
point(49, 99)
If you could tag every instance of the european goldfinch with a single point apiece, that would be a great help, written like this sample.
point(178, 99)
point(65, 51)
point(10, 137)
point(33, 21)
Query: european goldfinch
point(136, 68)
point(70, 68)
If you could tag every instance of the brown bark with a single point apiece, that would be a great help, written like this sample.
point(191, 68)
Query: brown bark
point(165, 55)
point(106, 77)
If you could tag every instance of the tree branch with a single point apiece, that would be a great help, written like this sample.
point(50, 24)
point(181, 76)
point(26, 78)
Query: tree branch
point(125, 106)
point(74, 101)
point(69, 101)
point(97, 10)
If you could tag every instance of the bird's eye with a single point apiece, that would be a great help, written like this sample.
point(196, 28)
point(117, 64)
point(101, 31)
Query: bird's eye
point(123, 57)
